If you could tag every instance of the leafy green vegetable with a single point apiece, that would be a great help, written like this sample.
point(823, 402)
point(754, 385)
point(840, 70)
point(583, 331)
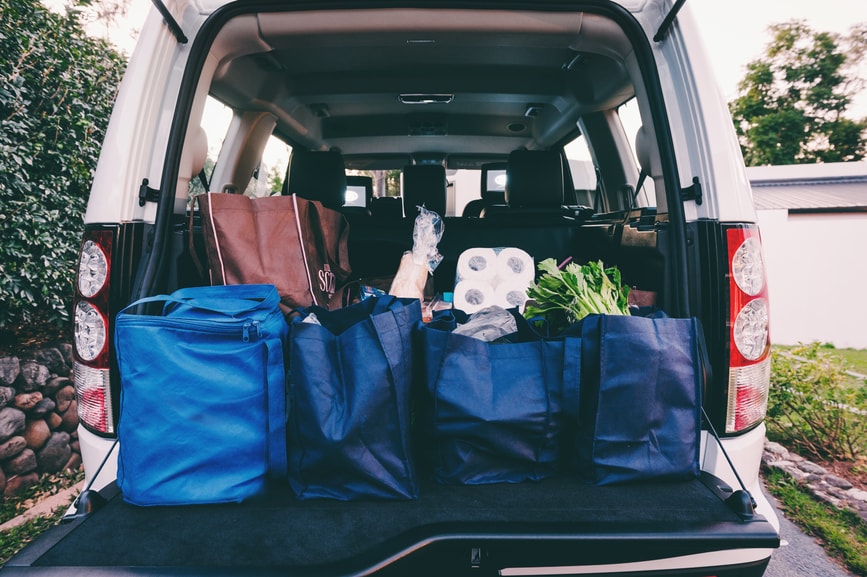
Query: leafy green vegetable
point(563, 297)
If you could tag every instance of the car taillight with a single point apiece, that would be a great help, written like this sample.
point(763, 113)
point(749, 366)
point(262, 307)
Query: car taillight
point(749, 335)
point(91, 331)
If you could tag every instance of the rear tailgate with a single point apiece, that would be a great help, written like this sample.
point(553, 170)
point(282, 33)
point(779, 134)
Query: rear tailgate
point(479, 530)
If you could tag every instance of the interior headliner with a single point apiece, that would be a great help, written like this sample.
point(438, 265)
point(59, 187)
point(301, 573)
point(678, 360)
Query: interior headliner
point(514, 79)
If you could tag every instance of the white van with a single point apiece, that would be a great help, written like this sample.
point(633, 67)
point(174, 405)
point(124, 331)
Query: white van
point(635, 162)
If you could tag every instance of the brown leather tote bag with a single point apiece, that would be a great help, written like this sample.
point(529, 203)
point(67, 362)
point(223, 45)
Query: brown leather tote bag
point(296, 244)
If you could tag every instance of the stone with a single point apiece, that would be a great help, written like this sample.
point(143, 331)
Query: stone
point(36, 434)
point(54, 420)
point(10, 367)
point(66, 350)
point(42, 408)
point(52, 359)
point(838, 482)
point(795, 458)
point(70, 418)
point(33, 375)
point(74, 462)
point(857, 495)
point(11, 422)
point(811, 468)
point(776, 449)
point(823, 496)
point(63, 398)
point(75, 445)
point(12, 447)
point(6, 395)
point(26, 401)
point(2, 482)
point(54, 454)
point(836, 492)
point(785, 465)
point(18, 483)
point(23, 462)
point(54, 384)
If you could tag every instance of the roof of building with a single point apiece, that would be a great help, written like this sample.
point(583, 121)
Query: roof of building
point(832, 187)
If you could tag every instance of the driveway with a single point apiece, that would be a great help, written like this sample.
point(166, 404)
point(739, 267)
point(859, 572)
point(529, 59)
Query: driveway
point(800, 555)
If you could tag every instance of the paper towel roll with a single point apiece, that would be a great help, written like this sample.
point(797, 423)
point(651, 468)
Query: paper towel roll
point(512, 293)
point(473, 295)
point(478, 264)
point(515, 264)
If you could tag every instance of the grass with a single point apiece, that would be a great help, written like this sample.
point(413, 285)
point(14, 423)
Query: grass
point(48, 485)
point(856, 359)
point(843, 533)
point(14, 539)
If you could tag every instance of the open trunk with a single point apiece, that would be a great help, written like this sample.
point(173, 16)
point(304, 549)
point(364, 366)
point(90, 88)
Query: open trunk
point(478, 530)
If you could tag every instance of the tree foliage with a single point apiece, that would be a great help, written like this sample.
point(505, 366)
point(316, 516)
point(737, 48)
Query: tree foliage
point(57, 86)
point(791, 102)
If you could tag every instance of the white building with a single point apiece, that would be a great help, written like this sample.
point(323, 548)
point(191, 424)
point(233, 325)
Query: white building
point(813, 220)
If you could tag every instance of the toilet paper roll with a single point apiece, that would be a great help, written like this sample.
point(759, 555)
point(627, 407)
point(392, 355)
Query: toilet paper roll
point(473, 295)
point(514, 264)
point(477, 264)
point(512, 293)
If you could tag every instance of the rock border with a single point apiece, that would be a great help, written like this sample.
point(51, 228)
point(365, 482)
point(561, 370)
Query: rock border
point(38, 417)
point(824, 486)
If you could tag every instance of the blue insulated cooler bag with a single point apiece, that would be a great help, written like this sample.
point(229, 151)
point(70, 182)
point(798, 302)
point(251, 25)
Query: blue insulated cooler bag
point(639, 415)
point(494, 408)
point(203, 402)
point(349, 381)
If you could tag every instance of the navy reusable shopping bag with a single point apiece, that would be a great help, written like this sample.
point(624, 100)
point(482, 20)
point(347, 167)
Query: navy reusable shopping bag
point(349, 382)
point(202, 407)
point(494, 407)
point(639, 414)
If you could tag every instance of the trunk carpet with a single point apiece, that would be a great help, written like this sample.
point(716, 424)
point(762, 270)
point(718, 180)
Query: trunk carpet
point(278, 530)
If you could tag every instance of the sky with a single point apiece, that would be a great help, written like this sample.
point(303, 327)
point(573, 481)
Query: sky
point(735, 32)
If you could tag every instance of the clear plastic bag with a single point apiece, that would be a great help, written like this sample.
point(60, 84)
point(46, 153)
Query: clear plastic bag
point(417, 264)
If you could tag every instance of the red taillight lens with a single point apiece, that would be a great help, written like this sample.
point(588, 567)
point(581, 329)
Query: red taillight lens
point(749, 336)
point(91, 331)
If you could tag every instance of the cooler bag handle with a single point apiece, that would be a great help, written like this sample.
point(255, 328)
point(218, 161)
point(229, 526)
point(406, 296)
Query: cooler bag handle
point(256, 297)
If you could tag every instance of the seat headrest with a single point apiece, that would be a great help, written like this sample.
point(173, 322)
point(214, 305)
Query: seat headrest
point(317, 175)
point(534, 179)
point(195, 153)
point(424, 184)
point(389, 207)
point(494, 196)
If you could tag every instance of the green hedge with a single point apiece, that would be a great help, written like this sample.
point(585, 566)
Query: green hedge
point(814, 407)
point(57, 86)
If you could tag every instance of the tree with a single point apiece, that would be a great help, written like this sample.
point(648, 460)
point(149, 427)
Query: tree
point(57, 87)
point(791, 102)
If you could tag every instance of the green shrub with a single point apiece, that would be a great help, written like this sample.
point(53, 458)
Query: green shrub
point(57, 86)
point(813, 408)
